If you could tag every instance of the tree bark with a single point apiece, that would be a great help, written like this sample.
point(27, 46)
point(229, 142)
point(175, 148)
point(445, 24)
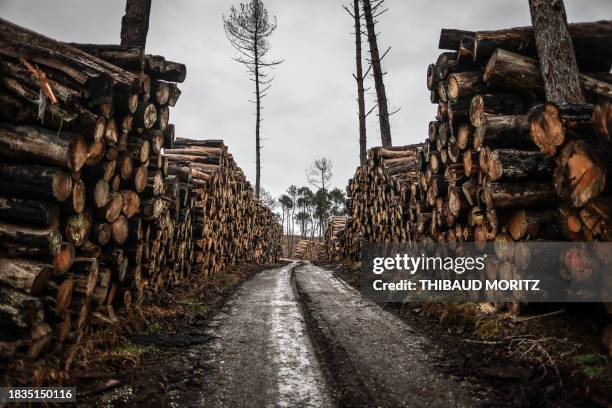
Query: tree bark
point(37, 182)
point(34, 143)
point(495, 104)
point(383, 110)
point(126, 57)
point(95, 74)
point(450, 39)
point(556, 52)
point(35, 213)
point(257, 115)
point(519, 194)
point(503, 131)
point(360, 89)
point(135, 23)
point(26, 275)
point(511, 164)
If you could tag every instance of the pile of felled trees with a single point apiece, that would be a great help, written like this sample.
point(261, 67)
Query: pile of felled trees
point(518, 168)
point(379, 195)
point(500, 164)
point(93, 216)
point(334, 237)
point(230, 225)
point(308, 250)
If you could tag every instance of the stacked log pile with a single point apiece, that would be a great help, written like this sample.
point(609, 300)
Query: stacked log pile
point(230, 225)
point(93, 216)
point(308, 250)
point(379, 195)
point(334, 238)
point(500, 164)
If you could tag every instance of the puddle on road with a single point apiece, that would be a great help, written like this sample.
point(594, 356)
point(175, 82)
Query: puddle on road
point(299, 378)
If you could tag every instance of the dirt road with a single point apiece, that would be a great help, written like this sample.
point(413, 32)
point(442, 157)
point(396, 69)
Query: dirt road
point(263, 356)
point(298, 337)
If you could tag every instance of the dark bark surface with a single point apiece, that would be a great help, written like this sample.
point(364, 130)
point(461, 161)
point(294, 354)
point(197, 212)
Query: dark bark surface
point(381, 93)
point(556, 52)
point(359, 79)
point(135, 23)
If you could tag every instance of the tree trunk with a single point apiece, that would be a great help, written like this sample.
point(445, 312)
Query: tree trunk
point(383, 110)
point(556, 52)
point(135, 23)
point(360, 89)
point(257, 117)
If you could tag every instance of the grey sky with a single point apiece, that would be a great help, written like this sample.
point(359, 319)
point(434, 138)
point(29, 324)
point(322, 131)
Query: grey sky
point(311, 110)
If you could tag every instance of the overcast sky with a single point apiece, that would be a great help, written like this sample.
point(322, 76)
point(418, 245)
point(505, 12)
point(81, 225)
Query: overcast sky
point(311, 109)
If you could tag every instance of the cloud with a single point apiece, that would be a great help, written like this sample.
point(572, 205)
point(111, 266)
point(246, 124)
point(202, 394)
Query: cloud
point(311, 109)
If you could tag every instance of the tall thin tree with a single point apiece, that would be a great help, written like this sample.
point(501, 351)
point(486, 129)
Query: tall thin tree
point(358, 75)
point(371, 12)
point(135, 23)
point(319, 174)
point(292, 192)
point(248, 28)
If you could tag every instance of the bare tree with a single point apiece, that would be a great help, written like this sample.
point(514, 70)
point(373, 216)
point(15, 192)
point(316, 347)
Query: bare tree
point(292, 192)
point(556, 52)
point(358, 75)
point(135, 23)
point(371, 11)
point(286, 205)
point(267, 199)
point(248, 28)
point(320, 173)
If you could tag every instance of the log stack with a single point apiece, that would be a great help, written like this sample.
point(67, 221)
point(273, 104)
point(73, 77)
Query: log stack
point(379, 197)
point(94, 216)
point(334, 239)
point(499, 164)
point(231, 225)
point(308, 250)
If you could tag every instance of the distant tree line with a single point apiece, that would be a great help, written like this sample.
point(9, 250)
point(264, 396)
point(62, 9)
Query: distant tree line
point(306, 210)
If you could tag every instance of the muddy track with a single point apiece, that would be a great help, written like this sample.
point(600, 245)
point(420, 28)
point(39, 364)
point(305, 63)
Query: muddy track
point(375, 358)
point(349, 390)
point(296, 336)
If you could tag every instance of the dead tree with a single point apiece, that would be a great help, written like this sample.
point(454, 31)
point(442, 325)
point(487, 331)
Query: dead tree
point(371, 12)
point(356, 14)
point(556, 52)
point(248, 29)
point(319, 175)
point(135, 23)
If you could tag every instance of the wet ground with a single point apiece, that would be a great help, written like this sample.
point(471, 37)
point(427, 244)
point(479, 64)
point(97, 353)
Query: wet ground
point(298, 336)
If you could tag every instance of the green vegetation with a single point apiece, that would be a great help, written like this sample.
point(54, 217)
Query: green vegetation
point(592, 365)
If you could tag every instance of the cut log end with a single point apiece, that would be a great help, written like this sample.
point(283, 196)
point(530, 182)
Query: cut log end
point(64, 257)
point(78, 196)
point(62, 185)
point(546, 128)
